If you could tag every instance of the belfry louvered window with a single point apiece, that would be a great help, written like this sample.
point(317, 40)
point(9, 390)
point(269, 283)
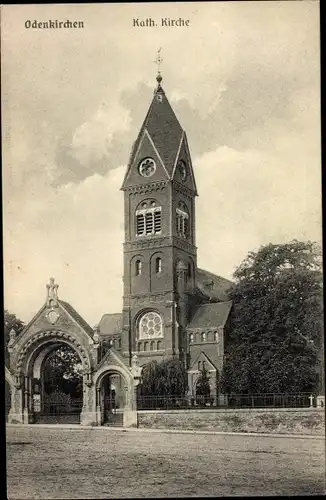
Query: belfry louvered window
point(149, 221)
point(182, 223)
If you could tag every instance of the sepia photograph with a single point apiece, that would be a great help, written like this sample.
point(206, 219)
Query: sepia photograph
point(162, 241)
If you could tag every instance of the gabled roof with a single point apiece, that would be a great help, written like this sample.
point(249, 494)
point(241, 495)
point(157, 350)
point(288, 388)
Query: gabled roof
point(211, 315)
point(77, 317)
point(110, 324)
point(212, 286)
point(202, 356)
point(164, 129)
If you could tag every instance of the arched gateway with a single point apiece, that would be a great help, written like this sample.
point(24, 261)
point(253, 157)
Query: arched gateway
point(58, 324)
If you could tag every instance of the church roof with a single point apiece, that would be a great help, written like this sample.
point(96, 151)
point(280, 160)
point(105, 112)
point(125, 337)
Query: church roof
point(110, 324)
point(164, 129)
point(211, 315)
point(213, 287)
point(77, 317)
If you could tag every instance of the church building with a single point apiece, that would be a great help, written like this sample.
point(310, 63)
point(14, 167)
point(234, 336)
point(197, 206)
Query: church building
point(171, 308)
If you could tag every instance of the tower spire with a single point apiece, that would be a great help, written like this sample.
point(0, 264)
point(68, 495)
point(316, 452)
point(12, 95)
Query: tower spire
point(158, 61)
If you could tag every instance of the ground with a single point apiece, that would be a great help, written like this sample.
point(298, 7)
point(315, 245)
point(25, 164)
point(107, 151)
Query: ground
point(57, 463)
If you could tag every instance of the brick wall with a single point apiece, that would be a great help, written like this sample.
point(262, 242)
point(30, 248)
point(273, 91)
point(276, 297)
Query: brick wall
point(287, 421)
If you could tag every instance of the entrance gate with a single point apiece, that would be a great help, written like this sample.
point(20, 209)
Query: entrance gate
point(57, 408)
point(113, 416)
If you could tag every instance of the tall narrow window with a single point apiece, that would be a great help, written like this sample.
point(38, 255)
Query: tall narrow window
point(157, 221)
point(199, 363)
point(140, 223)
point(149, 223)
point(182, 221)
point(158, 265)
point(191, 338)
point(138, 267)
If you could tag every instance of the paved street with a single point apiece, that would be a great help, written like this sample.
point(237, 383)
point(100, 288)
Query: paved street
point(52, 463)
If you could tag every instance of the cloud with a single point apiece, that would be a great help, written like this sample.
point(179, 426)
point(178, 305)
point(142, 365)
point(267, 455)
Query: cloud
point(93, 139)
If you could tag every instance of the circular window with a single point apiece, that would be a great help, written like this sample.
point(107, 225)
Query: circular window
point(182, 169)
point(150, 325)
point(147, 167)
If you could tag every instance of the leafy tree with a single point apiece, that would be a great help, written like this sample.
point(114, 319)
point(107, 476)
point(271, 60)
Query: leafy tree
point(168, 378)
point(203, 386)
point(10, 322)
point(62, 371)
point(276, 321)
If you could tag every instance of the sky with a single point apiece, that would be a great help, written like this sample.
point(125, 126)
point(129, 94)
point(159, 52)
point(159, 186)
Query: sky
point(244, 81)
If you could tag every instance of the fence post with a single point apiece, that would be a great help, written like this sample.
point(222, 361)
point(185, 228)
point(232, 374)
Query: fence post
point(252, 401)
point(311, 399)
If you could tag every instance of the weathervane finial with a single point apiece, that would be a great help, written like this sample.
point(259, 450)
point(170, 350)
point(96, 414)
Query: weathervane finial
point(158, 61)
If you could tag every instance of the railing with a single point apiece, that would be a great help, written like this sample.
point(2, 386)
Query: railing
point(272, 400)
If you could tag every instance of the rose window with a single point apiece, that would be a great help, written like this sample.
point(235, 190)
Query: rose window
point(150, 325)
point(147, 167)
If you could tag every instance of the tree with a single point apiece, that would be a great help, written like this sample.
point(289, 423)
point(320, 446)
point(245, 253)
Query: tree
point(10, 322)
point(168, 378)
point(62, 370)
point(203, 388)
point(276, 321)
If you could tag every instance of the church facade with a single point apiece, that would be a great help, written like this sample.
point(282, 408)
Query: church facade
point(171, 308)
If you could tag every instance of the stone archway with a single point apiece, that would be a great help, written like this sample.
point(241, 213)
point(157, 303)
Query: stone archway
point(129, 410)
point(28, 383)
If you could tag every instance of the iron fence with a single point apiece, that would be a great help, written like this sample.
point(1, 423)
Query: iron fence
point(226, 401)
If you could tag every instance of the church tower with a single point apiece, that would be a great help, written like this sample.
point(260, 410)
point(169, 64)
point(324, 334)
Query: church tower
point(159, 249)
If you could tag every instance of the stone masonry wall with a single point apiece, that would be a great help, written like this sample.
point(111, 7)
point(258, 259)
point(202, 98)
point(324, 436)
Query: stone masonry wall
point(287, 421)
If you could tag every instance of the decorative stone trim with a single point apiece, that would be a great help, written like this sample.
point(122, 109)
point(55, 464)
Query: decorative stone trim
point(148, 242)
point(184, 190)
point(145, 299)
point(147, 188)
point(52, 334)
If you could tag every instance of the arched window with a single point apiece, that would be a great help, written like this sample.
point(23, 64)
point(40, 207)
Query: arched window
point(145, 346)
point(119, 343)
point(191, 338)
point(158, 265)
point(138, 267)
point(199, 367)
point(159, 344)
point(182, 221)
point(152, 345)
point(203, 337)
point(148, 218)
point(150, 325)
point(216, 336)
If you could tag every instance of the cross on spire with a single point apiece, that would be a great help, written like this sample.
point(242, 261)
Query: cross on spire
point(158, 61)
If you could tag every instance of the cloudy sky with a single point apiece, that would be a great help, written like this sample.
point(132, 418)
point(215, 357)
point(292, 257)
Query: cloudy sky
point(244, 81)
